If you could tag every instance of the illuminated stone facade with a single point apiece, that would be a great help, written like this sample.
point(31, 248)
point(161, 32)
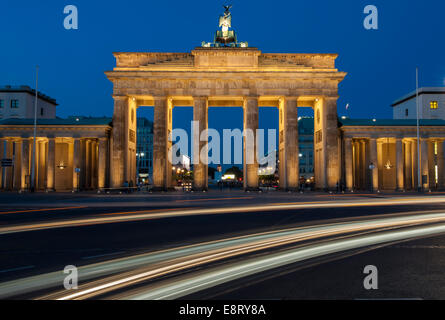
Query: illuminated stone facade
point(243, 77)
point(383, 155)
point(62, 145)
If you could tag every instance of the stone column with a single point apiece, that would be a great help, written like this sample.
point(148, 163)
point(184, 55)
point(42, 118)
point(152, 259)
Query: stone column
point(399, 165)
point(70, 161)
point(289, 159)
point(88, 158)
point(373, 159)
point(94, 173)
point(250, 157)
point(17, 183)
point(415, 163)
point(355, 164)
point(441, 163)
point(102, 162)
point(432, 164)
point(25, 174)
point(76, 164)
point(119, 136)
point(361, 164)
point(51, 165)
point(200, 152)
point(326, 142)
point(348, 154)
point(364, 165)
point(408, 165)
point(82, 164)
point(380, 163)
point(424, 162)
point(41, 164)
point(160, 143)
point(7, 154)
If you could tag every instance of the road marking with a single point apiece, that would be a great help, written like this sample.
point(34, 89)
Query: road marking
point(103, 255)
point(17, 269)
point(40, 210)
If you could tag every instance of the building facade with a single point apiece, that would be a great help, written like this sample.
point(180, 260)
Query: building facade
point(431, 104)
point(19, 103)
point(383, 154)
point(144, 149)
point(306, 147)
point(70, 154)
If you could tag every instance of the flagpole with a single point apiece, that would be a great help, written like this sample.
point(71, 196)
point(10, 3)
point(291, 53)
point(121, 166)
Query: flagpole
point(33, 161)
point(419, 158)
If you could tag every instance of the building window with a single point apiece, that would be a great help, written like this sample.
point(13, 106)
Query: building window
point(14, 104)
point(2, 103)
point(406, 112)
point(434, 105)
point(41, 111)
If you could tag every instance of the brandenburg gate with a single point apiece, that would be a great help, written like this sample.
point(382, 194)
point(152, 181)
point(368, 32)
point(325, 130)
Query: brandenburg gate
point(226, 73)
point(225, 76)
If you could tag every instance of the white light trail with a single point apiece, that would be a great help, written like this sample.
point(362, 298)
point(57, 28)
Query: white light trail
point(169, 213)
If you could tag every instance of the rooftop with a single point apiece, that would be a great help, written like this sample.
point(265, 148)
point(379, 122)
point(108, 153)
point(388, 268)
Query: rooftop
point(424, 90)
point(27, 89)
point(390, 122)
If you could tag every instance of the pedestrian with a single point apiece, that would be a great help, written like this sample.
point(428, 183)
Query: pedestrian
point(126, 185)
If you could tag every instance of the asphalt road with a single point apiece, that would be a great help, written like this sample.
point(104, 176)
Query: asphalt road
point(413, 270)
point(153, 222)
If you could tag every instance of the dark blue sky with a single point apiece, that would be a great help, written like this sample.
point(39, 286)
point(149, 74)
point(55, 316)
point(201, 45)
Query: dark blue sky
point(380, 64)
